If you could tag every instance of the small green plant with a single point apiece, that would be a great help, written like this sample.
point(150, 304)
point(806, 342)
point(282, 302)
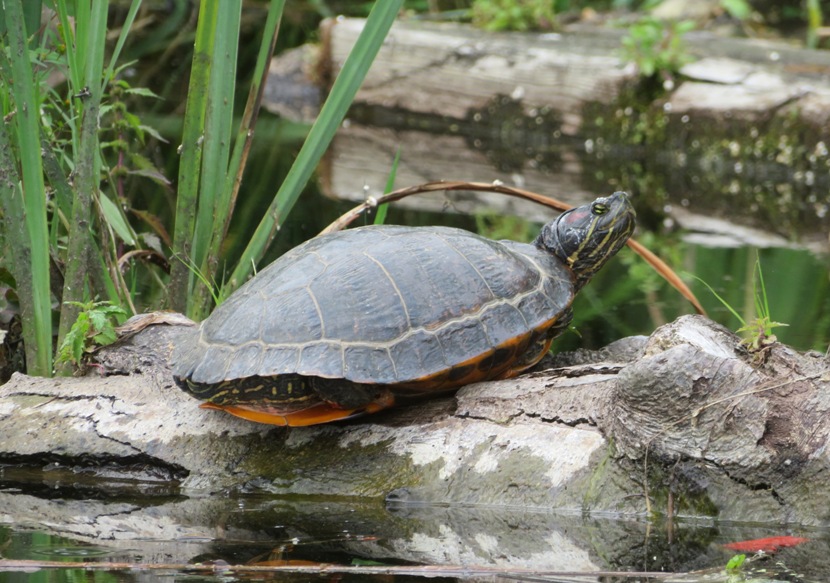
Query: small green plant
point(95, 326)
point(517, 15)
point(737, 9)
point(733, 567)
point(757, 334)
point(735, 563)
point(382, 210)
point(657, 46)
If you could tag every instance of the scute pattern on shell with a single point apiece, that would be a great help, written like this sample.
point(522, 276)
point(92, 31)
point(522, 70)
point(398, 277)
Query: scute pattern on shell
point(378, 305)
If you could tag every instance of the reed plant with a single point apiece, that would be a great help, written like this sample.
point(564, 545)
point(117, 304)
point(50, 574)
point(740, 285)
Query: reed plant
point(65, 232)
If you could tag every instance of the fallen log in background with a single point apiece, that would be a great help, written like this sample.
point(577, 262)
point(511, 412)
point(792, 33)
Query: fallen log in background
point(558, 114)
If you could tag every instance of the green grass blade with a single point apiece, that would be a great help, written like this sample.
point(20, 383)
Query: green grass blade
point(115, 218)
point(763, 308)
point(191, 154)
point(119, 45)
point(95, 41)
point(82, 16)
point(67, 30)
point(244, 135)
point(722, 301)
point(342, 94)
point(382, 210)
point(32, 13)
point(27, 126)
point(218, 132)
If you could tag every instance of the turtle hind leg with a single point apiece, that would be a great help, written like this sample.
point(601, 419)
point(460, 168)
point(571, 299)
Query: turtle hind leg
point(342, 399)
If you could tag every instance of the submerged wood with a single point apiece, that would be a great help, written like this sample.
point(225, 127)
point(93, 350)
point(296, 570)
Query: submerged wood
point(685, 417)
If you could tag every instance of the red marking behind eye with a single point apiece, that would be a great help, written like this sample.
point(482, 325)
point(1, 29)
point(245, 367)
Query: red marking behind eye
point(577, 216)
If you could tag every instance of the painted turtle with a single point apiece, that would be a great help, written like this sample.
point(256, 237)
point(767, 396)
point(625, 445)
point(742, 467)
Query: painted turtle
point(343, 323)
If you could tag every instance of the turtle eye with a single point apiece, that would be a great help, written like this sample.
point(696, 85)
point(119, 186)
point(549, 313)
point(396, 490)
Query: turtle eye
point(599, 208)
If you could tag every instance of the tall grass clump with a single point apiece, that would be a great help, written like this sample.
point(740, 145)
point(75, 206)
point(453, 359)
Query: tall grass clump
point(65, 156)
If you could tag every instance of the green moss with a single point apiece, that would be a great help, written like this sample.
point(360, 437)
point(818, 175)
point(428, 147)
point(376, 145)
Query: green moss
point(597, 479)
point(323, 466)
point(688, 497)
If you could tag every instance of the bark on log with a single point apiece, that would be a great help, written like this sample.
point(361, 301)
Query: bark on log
point(690, 416)
point(451, 70)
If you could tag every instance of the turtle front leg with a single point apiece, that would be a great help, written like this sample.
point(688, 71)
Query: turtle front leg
point(540, 346)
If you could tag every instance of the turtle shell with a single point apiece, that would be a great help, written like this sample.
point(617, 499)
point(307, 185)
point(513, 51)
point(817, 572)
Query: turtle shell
point(385, 305)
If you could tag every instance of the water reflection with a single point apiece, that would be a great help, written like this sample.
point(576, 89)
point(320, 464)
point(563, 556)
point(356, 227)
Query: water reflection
point(304, 533)
point(696, 179)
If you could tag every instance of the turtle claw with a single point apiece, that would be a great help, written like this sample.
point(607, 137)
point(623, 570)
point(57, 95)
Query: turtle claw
point(314, 415)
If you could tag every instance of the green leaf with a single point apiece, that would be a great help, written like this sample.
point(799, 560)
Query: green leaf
point(735, 562)
point(111, 309)
point(153, 174)
point(133, 120)
point(153, 132)
point(94, 325)
point(116, 220)
point(72, 347)
point(739, 9)
point(97, 319)
point(106, 336)
point(143, 91)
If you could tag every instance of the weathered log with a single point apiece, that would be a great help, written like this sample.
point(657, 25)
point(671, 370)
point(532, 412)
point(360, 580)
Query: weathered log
point(453, 70)
point(439, 84)
point(698, 400)
point(690, 417)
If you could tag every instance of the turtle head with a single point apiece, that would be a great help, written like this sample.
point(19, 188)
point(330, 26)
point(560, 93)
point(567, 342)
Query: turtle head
point(584, 238)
